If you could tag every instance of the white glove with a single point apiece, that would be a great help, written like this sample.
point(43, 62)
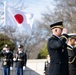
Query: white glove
point(11, 68)
point(24, 67)
point(4, 48)
point(14, 59)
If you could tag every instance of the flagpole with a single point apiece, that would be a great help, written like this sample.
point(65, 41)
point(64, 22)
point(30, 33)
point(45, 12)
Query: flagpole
point(4, 20)
point(5, 13)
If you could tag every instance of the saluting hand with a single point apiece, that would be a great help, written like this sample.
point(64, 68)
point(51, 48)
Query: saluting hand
point(64, 31)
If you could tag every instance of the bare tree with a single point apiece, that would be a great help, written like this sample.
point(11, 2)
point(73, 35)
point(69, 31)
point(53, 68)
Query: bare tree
point(65, 10)
point(33, 43)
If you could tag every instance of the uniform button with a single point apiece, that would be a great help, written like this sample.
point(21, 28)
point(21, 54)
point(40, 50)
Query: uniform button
point(59, 62)
point(62, 50)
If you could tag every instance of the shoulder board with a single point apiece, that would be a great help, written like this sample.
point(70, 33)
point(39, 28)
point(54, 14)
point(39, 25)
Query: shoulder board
point(53, 37)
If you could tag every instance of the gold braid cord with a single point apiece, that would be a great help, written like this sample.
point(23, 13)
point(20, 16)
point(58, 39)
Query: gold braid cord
point(70, 62)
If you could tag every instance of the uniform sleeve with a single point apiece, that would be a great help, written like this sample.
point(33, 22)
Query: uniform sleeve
point(74, 49)
point(1, 54)
point(25, 59)
point(54, 44)
point(64, 37)
point(11, 59)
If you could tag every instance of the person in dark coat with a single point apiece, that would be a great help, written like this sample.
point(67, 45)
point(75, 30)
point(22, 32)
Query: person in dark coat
point(21, 59)
point(57, 49)
point(72, 54)
point(7, 60)
point(47, 65)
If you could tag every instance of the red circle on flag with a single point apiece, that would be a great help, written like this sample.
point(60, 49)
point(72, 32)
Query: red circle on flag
point(19, 18)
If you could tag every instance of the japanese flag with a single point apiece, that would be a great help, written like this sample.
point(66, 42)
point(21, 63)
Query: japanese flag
point(17, 18)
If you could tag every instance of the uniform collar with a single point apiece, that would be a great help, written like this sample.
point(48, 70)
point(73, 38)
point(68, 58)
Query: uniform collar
point(57, 36)
point(70, 45)
point(7, 51)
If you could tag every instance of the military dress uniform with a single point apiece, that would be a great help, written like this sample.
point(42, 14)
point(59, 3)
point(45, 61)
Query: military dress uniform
point(7, 61)
point(57, 49)
point(21, 60)
point(72, 58)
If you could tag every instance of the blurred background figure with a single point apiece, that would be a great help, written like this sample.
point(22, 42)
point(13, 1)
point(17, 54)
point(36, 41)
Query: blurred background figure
point(7, 60)
point(47, 65)
point(20, 59)
point(72, 53)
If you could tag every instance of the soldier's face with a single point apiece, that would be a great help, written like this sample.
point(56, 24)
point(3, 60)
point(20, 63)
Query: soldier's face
point(19, 49)
point(59, 31)
point(73, 41)
point(7, 48)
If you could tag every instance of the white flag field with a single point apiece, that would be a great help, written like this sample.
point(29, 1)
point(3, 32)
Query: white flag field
point(18, 20)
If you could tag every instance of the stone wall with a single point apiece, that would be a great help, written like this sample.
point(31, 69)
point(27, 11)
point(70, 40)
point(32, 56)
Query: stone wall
point(34, 67)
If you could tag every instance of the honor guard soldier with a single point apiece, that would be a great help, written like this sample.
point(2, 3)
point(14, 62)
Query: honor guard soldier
point(57, 49)
point(7, 60)
point(72, 53)
point(21, 59)
point(47, 65)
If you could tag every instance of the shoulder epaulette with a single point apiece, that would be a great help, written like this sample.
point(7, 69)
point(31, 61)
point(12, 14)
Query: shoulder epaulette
point(51, 37)
point(69, 48)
